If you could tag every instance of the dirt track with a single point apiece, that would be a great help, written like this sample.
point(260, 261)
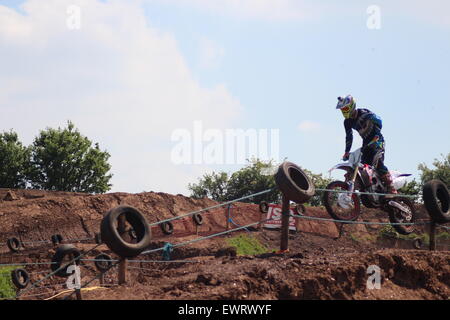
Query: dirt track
point(318, 266)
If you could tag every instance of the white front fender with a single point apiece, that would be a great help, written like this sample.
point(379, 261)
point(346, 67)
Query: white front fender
point(342, 166)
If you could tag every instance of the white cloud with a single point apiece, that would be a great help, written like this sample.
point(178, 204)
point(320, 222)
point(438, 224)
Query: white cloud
point(123, 83)
point(309, 126)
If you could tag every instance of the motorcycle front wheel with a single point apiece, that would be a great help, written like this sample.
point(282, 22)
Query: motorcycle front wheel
point(341, 205)
point(399, 216)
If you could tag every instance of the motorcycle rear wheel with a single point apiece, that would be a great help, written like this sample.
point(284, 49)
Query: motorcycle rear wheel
point(341, 205)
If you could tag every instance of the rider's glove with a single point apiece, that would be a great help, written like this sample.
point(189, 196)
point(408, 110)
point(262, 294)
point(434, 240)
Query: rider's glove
point(346, 156)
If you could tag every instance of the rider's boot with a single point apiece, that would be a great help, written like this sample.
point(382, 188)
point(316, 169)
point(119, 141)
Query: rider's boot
point(387, 180)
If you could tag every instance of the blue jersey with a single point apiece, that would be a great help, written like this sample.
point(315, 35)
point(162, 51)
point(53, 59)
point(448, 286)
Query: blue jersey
point(368, 125)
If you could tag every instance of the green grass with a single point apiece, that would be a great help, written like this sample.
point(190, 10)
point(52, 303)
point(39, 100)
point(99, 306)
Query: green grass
point(443, 236)
point(247, 245)
point(389, 232)
point(7, 289)
point(362, 238)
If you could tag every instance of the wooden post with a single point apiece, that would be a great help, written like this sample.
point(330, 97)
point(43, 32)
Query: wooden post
point(78, 294)
point(123, 271)
point(285, 212)
point(260, 222)
point(432, 236)
point(297, 225)
point(123, 261)
point(77, 290)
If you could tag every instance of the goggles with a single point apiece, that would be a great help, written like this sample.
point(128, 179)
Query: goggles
point(346, 109)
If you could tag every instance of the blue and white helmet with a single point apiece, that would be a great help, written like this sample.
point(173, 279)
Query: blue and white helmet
point(346, 105)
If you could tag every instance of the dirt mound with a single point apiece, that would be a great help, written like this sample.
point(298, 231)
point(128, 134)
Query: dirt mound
point(323, 263)
point(37, 215)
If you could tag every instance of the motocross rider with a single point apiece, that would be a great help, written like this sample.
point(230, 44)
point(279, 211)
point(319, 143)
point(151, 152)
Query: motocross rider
point(368, 125)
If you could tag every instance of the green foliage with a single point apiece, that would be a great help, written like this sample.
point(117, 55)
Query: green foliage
point(248, 180)
point(320, 182)
point(214, 186)
point(388, 232)
point(441, 171)
point(362, 238)
point(14, 159)
point(247, 245)
point(411, 188)
point(65, 160)
point(257, 176)
point(252, 179)
point(443, 236)
point(7, 289)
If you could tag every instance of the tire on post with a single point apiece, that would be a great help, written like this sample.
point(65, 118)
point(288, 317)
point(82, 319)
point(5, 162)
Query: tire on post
point(20, 278)
point(198, 219)
point(294, 183)
point(436, 199)
point(166, 227)
point(300, 209)
point(56, 239)
point(263, 207)
point(113, 239)
point(63, 251)
point(103, 262)
point(13, 244)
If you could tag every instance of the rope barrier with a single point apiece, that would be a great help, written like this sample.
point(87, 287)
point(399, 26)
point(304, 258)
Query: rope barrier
point(70, 290)
point(163, 261)
point(360, 222)
point(95, 278)
point(168, 247)
point(59, 269)
point(210, 208)
point(167, 250)
point(138, 261)
point(207, 237)
point(25, 264)
point(64, 240)
point(369, 193)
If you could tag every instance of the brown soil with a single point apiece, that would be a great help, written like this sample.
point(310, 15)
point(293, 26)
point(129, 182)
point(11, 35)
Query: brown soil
point(321, 263)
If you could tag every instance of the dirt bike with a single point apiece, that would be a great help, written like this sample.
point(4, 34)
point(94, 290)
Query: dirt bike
point(363, 184)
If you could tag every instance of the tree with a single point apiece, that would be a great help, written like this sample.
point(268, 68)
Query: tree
point(213, 186)
point(442, 171)
point(411, 188)
point(14, 158)
point(257, 176)
point(253, 178)
point(65, 160)
point(319, 182)
point(244, 182)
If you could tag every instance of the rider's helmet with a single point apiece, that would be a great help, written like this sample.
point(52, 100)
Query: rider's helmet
point(347, 105)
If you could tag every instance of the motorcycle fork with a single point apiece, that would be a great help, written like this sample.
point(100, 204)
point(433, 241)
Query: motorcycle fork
point(351, 182)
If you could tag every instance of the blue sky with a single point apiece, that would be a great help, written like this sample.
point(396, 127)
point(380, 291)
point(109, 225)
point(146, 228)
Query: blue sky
point(267, 64)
